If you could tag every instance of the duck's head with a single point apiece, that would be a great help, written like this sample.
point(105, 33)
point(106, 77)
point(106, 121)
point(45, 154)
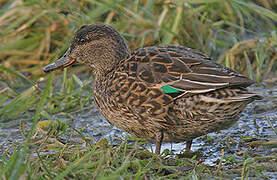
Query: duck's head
point(97, 45)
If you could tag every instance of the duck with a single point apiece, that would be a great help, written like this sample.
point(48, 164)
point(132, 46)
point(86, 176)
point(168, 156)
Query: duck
point(168, 93)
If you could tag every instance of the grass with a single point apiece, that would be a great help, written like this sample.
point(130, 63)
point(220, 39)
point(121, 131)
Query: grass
point(240, 34)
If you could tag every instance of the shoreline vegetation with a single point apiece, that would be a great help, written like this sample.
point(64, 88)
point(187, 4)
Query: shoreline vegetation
point(39, 112)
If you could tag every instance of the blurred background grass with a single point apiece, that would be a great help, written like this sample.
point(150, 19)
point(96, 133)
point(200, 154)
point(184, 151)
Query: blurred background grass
point(240, 34)
point(235, 32)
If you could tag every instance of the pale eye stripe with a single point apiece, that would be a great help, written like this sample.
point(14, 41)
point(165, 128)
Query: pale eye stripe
point(205, 83)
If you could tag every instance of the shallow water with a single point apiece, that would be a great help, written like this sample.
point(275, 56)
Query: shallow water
point(252, 125)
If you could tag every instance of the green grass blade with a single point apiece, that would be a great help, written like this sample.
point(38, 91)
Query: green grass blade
point(19, 164)
point(258, 9)
point(20, 103)
point(249, 66)
point(18, 74)
point(75, 164)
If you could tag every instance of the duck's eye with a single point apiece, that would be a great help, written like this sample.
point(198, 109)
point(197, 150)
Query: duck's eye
point(82, 40)
point(83, 26)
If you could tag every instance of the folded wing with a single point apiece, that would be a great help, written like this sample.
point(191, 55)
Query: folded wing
point(182, 71)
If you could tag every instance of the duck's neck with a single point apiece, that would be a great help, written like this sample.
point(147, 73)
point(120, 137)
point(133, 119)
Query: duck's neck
point(109, 55)
point(109, 63)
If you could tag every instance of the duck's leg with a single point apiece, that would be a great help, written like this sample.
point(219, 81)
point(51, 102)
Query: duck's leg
point(188, 145)
point(159, 140)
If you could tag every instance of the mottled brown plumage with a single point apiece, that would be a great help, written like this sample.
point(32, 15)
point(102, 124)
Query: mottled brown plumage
point(162, 93)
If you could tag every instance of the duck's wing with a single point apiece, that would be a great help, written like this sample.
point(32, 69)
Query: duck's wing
point(181, 71)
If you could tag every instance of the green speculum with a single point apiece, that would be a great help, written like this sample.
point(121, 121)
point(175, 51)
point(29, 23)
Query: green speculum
point(169, 89)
